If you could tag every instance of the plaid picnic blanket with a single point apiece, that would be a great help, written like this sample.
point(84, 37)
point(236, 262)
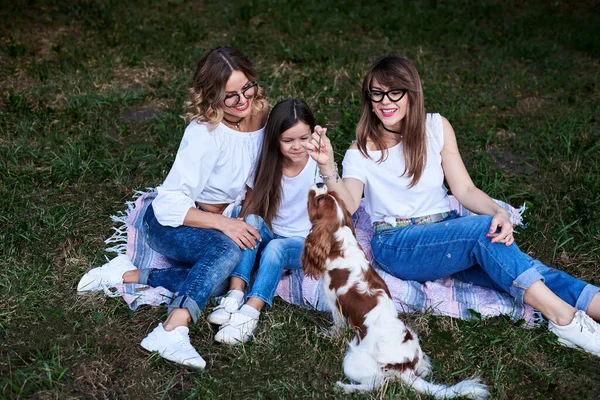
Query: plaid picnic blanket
point(446, 296)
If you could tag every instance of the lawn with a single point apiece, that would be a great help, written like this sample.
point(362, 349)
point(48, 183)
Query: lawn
point(91, 93)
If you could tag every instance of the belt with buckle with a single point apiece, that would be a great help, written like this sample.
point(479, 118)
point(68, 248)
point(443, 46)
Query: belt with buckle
point(402, 222)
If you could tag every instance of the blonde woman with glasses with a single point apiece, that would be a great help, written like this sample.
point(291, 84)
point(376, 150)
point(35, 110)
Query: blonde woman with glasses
point(193, 219)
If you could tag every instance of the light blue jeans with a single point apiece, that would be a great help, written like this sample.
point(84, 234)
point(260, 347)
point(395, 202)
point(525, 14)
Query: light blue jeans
point(202, 259)
point(275, 253)
point(458, 246)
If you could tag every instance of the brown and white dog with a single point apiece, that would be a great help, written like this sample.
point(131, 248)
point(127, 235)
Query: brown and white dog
point(384, 346)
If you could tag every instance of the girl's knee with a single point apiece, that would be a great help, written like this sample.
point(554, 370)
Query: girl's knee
point(254, 220)
point(274, 249)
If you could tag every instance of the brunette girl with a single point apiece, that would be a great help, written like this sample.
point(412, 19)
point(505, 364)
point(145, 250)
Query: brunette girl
point(192, 221)
point(400, 159)
point(279, 194)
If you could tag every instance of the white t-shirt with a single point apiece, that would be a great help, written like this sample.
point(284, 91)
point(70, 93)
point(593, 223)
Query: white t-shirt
point(210, 167)
point(386, 191)
point(292, 216)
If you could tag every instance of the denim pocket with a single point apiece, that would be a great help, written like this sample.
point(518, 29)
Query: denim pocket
point(388, 232)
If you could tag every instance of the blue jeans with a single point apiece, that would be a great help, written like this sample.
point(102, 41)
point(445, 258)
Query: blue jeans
point(276, 254)
point(202, 259)
point(458, 246)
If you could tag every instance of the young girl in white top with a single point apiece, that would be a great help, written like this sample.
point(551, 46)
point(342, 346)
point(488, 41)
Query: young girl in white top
point(277, 204)
point(400, 160)
point(190, 220)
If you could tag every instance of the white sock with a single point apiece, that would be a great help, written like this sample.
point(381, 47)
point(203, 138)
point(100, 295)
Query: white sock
point(237, 295)
point(250, 311)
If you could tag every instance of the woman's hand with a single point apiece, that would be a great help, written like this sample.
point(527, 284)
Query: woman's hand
point(320, 149)
point(501, 221)
point(242, 233)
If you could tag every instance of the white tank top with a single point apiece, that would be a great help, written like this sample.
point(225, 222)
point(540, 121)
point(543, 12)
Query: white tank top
point(386, 191)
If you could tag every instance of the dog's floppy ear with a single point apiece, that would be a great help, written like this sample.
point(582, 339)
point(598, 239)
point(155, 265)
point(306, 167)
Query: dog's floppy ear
point(317, 247)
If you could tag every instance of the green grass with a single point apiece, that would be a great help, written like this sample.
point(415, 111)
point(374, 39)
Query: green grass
point(90, 97)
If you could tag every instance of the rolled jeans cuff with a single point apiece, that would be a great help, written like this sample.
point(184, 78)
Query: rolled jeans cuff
point(188, 303)
point(144, 276)
point(268, 302)
point(586, 296)
point(242, 277)
point(522, 282)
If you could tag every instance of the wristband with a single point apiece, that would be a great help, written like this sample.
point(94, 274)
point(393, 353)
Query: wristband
point(334, 174)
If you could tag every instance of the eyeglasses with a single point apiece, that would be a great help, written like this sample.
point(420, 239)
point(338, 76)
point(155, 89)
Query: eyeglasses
point(394, 95)
point(232, 100)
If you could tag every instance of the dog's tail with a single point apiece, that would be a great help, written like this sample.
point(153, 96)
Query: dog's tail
point(469, 388)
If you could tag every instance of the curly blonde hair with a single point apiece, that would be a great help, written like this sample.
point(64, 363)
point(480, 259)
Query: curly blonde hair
point(208, 85)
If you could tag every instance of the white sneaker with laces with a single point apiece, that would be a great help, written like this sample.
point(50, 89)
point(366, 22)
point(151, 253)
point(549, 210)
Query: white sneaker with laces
point(582, 332)
point(238, 329)
point(223, 311)
point(108, 275)
point(174, 346)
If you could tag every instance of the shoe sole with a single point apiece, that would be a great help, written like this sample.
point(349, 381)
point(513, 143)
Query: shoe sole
point(146, 346)
point(566, 343)
point(231, 343)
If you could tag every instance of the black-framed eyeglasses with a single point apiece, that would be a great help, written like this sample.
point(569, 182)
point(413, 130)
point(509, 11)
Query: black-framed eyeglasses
point(394, 95)
point(232, 100)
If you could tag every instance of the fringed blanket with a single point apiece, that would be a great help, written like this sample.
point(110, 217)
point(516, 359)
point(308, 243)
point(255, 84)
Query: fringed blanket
point(446, 296)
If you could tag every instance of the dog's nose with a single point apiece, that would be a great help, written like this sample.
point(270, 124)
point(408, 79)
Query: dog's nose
point(320, 185)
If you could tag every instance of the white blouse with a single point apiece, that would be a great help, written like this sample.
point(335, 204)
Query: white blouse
point(211, 166)
point(386, 192)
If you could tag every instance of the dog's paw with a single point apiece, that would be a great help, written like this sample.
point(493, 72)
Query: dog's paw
point(423, 368)
point(353, 387)
point(332, 332)
point(346, 387)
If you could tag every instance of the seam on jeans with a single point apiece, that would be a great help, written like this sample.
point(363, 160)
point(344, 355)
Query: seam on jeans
point(409, 227)
point(424, 245)
point(445, 242)
point(499, 263)
point(221, 250)
point(515, 284)
point(284, 251)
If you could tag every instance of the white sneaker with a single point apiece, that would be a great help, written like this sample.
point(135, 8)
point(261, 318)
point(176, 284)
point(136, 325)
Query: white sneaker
point(238, 329)
point(223, 311)
point(582, 332)
point(108, 275)
point(174, 346)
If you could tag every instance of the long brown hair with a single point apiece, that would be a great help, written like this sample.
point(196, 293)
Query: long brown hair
point(265, 198)
point(394, 72)
point(208, 85)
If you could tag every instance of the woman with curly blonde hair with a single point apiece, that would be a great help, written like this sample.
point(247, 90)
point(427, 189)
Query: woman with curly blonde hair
point(193, 219)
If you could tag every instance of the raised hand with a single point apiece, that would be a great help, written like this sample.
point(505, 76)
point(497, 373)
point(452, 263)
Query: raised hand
point(320, 149)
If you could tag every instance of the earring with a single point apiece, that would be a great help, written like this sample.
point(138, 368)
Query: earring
point(372, 109)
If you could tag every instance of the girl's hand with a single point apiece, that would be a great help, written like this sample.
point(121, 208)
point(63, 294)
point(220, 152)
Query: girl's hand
point(242, 233)
point(320, 149)
point(501, 221)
